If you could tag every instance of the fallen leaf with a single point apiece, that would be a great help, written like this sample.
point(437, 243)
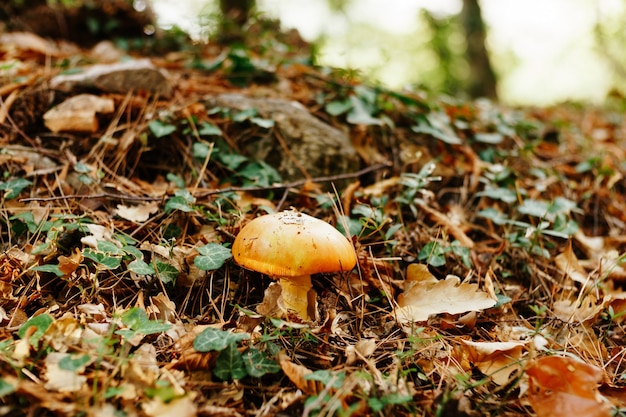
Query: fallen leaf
point(59, 379)
point(568, 263)
point(139, 213)
point(565, 387)
point(77, 114)
point(424, 296)
point(497, 360)
point(296, 374)
point(178, 407)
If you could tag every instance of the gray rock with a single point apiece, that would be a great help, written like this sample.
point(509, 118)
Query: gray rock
point(312, 145)
point(134, 75)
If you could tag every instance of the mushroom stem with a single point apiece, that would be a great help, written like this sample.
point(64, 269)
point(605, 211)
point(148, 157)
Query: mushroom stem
point(298, 296)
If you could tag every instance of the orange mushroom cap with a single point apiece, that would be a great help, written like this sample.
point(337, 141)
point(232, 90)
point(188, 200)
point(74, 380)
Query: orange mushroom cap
point(290, 244)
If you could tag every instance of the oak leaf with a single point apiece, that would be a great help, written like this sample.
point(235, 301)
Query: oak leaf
point(424, 296)
point(565, 387)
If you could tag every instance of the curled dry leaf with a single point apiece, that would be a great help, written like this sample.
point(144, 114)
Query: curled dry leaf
point(138, 213)
point(296, 374)
point(568, 263)
point(565, 387)
point(495, 359)
point(60, 379)
point(424, 296)
point(178, 407)
point(78, 114)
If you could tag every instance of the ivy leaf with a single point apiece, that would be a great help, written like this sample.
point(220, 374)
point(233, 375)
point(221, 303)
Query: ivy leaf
point(138, 322)
point(41, 323)
point(160, 129)
point(425, 295)
point(6, 388)
point(167, 273)
point(14, 187)
point(104, 259)
point(208, 129)
point(264, 123)
point(139, 267)
point(215, 339)
point(257, 363)
point(229, 364)
point(54, 269)
point(335, 108)
point(178, 203)
point(212, 256)
point(74, 363)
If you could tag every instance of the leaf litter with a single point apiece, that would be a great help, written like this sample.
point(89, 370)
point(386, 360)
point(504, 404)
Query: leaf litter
point(490, 240)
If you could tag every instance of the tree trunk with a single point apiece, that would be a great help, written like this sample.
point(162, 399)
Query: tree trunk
point(482, 79)
point(235, 14)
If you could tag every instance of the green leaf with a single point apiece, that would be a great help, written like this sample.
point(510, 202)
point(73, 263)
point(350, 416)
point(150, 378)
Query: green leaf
point(229, 364)
point(162, 390)
point(361, 114)
point(104, 259)
point(490, 138)
point(6, 388)
point(215, 339)
point(335, 108)
point(231, 160)
point(27, 218)
point(54, 269)
point(212, 256)
point(133, 251)
point(14, 187)
point(503, 194)
point(433, 253)
point(40, 322)
point(257, 363)
point(139, 267)
point(177, 203)
point(176, 179)
point(160, 129)
point(244, 114)
point(200, 150)
point(137, 320)
point(264, 123)
point(260, 174)
point(75, 363)
point(494, 215)
point(326, 377)
point(208, 129)
point(110, 248)
point(167, 273)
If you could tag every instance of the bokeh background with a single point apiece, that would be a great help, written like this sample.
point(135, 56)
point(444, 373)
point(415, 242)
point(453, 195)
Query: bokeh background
point(541, 52)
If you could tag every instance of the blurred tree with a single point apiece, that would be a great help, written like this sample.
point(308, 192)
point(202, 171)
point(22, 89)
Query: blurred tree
point(235, 15)
point(82, 21)
point(449, 75)
point(482, 79)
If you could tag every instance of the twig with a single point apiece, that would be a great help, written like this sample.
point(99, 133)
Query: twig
point(293, 184)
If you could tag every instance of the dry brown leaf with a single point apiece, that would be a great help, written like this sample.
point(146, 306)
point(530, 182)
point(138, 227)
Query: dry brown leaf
point(78, 113)
point(424, 296)
point(565, 387)
point(568, 263)
point(62, 380)
point(495, 359)
point(178, 407)
point(139, 213)
point(572, 310)
point(69, 264)
point(296, 374)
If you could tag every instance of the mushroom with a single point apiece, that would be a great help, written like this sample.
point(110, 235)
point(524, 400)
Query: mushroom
point(290, 246)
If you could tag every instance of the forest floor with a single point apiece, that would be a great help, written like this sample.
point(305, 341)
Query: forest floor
point(490, 242)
